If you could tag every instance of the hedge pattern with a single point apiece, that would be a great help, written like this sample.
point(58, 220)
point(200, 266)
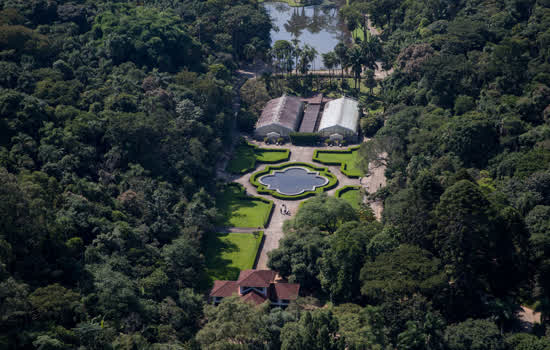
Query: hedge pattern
point(244, 196)
point(339, 192)
point(332, 180)
point(343, 165)
point(285, 156)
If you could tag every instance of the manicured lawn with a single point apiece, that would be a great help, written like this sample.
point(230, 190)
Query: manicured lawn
point(350, 159)
point(352, 196)
point(264, 155)
point(245, 157)
point(240, 211)
point(229, 253)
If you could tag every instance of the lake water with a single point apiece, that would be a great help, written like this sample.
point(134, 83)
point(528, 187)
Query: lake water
point(292, 181)
point(318, 26)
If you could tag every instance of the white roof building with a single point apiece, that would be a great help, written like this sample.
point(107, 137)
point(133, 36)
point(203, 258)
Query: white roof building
point(341, 116)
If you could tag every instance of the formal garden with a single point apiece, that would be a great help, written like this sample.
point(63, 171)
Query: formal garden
point(229, 253)
point(347, 159)
point(246, 155)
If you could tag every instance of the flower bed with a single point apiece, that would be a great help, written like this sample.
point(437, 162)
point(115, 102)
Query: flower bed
point(261, 188)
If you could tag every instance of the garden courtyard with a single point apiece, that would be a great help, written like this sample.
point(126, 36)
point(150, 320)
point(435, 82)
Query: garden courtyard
point(244, 210)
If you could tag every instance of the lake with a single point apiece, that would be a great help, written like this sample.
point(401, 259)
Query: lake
point(317, 25)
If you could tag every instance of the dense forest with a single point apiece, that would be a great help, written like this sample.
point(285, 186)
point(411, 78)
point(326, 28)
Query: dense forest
point(112, 116)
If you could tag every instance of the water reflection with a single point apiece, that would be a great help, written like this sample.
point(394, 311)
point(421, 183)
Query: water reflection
point(318, 26)
point(293, 181)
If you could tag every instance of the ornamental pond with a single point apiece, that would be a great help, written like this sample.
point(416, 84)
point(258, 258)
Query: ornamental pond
point(293, 181)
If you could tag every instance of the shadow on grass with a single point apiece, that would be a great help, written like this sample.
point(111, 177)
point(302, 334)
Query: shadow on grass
point(218, 267)
point(229, 204)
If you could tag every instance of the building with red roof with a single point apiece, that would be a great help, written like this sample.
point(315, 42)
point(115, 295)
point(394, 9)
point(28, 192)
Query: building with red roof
point(256, 286)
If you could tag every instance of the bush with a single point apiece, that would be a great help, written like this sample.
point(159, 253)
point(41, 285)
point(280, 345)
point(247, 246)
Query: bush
point(464, 104)
point(246, 120)
point(371, 124)
point(305, 138)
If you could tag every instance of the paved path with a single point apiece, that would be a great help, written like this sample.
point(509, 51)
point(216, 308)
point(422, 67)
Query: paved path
point(274, 232)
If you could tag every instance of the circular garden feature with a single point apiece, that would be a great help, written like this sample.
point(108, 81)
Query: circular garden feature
point(293, 180)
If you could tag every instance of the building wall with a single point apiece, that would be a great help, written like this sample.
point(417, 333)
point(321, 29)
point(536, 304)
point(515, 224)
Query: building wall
point(266, 129)
point(337, 129)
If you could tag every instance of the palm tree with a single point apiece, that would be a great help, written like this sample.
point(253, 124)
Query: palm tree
point(329, 61)
point(267, 77)
point(296, 52)
point(372, 50)
point(341, 52)
point(356, 62)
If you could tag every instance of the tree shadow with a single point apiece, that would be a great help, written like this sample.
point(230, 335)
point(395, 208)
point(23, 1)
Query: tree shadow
point(218, 267)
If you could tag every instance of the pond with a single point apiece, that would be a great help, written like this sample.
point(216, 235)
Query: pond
point(319, 26)
point(293, 181)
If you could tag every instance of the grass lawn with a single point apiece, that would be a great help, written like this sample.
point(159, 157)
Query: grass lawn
point(241, 212)
point(264, 155)
point(352, 196)
point(349, 158)
point(245, 157)
point(229, 253)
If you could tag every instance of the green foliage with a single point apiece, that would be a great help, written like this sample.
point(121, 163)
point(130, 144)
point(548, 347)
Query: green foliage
point(315, 330)
point(297, 257)
point(405, 271)
point(233, 322)
point(146, 36)
point(475, 335)
point(324, 212)
point(525, 341)
point(342, 260)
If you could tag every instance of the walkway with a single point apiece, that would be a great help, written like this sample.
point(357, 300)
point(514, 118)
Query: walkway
point(274, 232)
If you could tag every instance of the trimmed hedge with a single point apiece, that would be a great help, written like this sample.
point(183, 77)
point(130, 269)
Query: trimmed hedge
point(343, 165)
point(243, 196)
point(332, 180)
point(339, 192)
point(284, 156)
point(305, 138)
